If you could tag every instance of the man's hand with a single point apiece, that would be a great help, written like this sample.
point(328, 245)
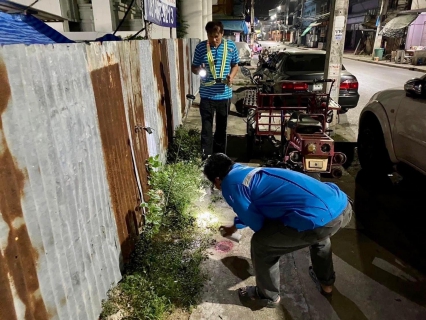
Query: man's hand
point(196, 70)
point(227, 231)
point(229, 80)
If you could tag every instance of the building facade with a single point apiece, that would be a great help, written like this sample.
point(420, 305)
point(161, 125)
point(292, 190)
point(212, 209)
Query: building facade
point(91, 19)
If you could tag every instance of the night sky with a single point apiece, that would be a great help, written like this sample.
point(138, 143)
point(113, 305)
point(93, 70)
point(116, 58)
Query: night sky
point(262, 7)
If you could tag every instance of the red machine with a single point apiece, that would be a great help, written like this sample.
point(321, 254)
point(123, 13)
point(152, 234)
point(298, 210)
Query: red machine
point(300, 118)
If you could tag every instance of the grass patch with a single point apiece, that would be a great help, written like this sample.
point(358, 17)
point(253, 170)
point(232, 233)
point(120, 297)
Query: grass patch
point(165, 271)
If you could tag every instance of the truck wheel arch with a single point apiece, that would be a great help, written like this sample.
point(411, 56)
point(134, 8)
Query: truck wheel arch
point(375, 110)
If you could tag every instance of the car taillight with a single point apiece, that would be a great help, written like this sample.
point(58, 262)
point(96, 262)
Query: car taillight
point(296, 86)
point(349, 85)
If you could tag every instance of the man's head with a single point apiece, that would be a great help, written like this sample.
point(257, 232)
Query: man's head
point(217, 167)
point(214, 31)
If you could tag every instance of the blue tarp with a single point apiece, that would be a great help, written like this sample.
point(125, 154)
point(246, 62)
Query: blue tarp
point(26, 29)
point(235, 25)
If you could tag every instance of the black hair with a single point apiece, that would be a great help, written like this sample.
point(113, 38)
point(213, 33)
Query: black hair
point(217, 165)
point(214, 26)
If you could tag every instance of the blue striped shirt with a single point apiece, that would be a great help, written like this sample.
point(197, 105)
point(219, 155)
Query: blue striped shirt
point(218, 91)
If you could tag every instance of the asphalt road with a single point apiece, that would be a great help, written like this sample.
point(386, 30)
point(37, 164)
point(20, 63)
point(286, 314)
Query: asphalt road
point(373, 78)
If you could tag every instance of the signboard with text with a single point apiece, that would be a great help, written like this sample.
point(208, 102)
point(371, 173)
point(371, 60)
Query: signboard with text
point(161, 12)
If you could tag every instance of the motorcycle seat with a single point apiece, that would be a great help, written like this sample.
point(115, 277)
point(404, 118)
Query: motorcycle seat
point(303, 120)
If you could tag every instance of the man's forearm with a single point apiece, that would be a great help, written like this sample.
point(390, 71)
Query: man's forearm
point(234, 71)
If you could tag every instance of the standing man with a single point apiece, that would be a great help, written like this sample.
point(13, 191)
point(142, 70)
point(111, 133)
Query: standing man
point(219, 58)
point(288, 211)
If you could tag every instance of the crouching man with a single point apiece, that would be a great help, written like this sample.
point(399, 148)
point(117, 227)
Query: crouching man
point(287, 211)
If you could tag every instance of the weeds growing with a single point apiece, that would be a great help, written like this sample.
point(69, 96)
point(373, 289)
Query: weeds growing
point(165, 272)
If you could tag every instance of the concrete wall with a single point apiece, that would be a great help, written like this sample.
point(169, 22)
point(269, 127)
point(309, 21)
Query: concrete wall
point(72, 175)
point(51, 6)
point(102, 19)
point(418, 4)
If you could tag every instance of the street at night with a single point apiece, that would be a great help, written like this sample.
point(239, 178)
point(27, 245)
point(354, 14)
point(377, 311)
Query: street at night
point(212, 159)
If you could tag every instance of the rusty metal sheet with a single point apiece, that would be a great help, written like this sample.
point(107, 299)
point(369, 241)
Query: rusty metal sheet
point(183, 69)
point(18, 257)
point(163, 70)
point(152, 98)
point(173, 74)
point(195, 80)
point(72, 165)
point(54, 158)
point(188, 62)
point(113, 124)
point(164, 108)
point(131, 83)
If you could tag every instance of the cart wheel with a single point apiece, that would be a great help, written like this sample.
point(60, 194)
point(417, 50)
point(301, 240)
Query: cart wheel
point(330, 116)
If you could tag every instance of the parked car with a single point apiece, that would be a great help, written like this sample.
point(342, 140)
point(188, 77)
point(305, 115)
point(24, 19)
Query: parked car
point(392, 128)
point(244, 52)
point(309, 65)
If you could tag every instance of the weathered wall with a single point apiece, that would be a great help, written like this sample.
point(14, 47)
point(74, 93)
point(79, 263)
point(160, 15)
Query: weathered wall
point(72, 165)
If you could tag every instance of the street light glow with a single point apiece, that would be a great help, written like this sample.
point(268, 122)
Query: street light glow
point(279, 8)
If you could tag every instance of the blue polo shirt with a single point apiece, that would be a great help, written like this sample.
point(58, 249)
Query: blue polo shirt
point(218, 91)
point(295, 199)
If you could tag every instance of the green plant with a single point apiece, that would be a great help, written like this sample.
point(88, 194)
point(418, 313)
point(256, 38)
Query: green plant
point(164, 272)
point(185, 146)
point(138, 294)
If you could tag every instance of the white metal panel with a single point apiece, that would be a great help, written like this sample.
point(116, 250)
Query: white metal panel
point(151, 98)
point(52, 131)
point(174, 81)
point(50, 134)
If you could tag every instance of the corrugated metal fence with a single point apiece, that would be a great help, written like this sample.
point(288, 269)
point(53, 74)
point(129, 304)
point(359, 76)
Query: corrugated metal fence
point(73, 150)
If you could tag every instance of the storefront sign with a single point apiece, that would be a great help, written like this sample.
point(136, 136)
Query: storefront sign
point(161, 12)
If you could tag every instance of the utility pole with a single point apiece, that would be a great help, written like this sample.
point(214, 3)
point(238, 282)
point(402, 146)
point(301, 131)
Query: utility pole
point(335, 48)
point(252, 23)
point(383, 11)
point(299, 38)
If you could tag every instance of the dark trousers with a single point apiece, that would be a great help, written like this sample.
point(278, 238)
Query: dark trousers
point(213, 143)
point(275, 240)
